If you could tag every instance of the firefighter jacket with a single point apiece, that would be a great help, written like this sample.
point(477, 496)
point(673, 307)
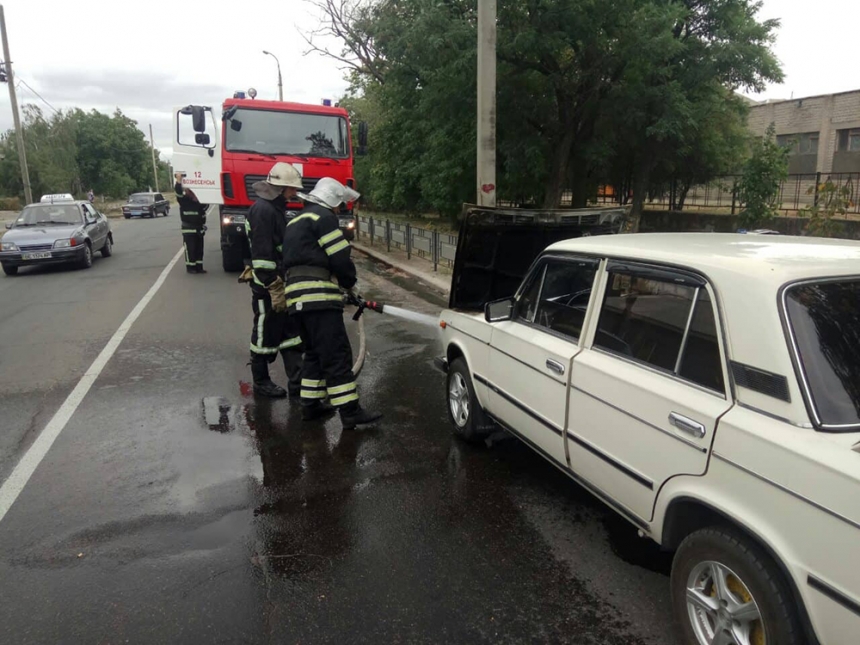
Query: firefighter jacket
point(315, 254)
point(192, 214)
point(265, 228)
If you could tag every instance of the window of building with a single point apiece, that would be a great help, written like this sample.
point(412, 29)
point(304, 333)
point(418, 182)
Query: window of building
point(849, 140)
point(805, 143)
point(664, 324)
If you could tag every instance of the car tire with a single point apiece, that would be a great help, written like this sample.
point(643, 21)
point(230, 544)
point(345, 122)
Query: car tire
point(87, 261)
point(107, 249)
point(10, 270)
point(167, 212)
point(750, 579)
point(127, 216)
point(231, 259)
point(464, 412)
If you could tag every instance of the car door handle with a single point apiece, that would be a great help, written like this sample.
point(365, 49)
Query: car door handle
point(685, 424)
point(554, 366)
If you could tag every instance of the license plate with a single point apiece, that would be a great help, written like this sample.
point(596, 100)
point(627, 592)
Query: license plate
point(36, 256)
point(135, 212)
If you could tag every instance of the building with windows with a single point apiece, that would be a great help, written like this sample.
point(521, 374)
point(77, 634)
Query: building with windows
point(823, 131)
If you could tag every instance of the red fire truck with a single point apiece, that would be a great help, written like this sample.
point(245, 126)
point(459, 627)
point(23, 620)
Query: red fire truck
point(221, 155)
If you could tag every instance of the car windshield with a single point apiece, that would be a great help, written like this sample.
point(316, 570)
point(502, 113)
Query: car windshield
point(273, 133)
point(825, 323)
point(141, 199)
point(47, 214)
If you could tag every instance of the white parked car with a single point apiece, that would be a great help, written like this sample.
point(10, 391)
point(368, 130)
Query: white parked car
point(707, 388)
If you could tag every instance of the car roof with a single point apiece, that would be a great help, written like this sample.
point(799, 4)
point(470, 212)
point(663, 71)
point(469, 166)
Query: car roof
point(768, 259)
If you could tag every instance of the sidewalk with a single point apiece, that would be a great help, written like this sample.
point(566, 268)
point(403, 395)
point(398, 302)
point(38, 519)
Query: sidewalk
point(416, 267)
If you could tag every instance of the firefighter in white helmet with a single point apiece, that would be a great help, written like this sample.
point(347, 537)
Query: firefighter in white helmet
point(315, 255)
point(273, 332)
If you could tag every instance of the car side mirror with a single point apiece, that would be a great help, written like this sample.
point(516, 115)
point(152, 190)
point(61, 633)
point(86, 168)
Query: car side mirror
point(198, 118)
point(499, 310)
point(201, 139)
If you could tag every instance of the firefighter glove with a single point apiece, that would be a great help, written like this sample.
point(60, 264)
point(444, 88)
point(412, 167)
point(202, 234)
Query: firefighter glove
point(276, 292)
point(247, 275)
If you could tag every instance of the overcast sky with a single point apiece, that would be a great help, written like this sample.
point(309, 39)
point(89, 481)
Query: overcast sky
point(146, 57)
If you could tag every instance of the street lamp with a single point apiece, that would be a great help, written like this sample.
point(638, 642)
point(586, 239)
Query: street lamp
point(280, 84)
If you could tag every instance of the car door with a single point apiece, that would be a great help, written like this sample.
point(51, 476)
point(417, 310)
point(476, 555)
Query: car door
point(197, 152)
point(646, 394)
point(96, 227)
point(530, 354)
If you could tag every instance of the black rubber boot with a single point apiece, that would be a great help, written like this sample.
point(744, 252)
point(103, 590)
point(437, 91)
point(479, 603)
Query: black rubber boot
point(293, 367)
point(351, 417)
point(200, 269)
point(263, 385)
point(317, 411)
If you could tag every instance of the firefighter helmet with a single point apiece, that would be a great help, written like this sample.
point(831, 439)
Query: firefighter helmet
point(284, 174)
point(330, 193)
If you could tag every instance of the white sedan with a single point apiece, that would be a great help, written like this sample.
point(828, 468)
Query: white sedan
point(707, 388)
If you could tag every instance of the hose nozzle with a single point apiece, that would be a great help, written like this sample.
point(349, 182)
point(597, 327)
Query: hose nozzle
point(361, 304)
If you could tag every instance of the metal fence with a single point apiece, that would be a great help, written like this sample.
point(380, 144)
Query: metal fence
point(796, 193)
point(433, 246)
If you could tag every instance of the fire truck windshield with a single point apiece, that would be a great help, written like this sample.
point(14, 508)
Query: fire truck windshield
point(287, 133)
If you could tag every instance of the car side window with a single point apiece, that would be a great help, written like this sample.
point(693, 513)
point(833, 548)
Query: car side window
point(526, 306)
point(89, 213)
point(563, 298)
point(664, 324)
point(159, 197)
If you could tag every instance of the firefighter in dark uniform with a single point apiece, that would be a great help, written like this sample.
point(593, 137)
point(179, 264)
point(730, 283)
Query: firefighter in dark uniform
point(315, 255)
point(273, 332)
point(192, 218)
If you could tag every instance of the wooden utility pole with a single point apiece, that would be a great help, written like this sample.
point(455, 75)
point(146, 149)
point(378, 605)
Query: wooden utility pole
point(154, 165)
point(19, 132)
point(487, 102)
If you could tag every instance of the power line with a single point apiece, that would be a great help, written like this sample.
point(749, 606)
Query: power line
point(27, 85)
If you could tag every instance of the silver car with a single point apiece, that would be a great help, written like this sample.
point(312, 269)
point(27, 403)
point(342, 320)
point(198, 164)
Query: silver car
point(55, 233)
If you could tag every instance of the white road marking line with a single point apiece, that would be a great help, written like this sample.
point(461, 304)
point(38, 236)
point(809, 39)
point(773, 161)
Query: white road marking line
point(16, 482)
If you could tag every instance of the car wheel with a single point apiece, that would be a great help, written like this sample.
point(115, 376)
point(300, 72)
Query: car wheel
point(10, 270)
point(127, 216)
point(725, 589)
point(107, 249)
point(464, 412)
point(87, 261)
point(167, 212)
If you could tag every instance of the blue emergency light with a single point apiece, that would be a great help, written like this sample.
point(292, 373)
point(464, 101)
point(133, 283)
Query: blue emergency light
point(326, 102)
point(238, 95)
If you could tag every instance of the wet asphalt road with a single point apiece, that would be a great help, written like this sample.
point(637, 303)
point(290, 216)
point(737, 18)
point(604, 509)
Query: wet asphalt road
point(149, 523)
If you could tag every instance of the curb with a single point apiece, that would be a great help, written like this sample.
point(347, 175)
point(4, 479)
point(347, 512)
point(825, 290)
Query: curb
point(434, 281)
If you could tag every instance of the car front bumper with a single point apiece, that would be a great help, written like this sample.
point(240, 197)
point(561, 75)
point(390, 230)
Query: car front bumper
point(58, 256)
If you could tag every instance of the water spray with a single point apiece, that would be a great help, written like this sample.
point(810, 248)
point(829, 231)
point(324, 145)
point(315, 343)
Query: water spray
point(361, 305)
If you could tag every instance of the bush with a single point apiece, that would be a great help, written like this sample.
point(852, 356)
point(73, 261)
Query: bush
point(10, 204)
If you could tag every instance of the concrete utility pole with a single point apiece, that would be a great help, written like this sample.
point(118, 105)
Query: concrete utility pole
point(154, 166)
point(280, 82)
point(486, 102)
point(19, 132)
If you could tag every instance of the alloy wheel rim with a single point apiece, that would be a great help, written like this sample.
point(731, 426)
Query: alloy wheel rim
point(458, 400)
point(720, 607)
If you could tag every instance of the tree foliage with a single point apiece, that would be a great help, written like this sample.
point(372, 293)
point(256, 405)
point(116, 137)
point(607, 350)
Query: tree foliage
point(588, 93)
point(74, 151)
point(763, 173)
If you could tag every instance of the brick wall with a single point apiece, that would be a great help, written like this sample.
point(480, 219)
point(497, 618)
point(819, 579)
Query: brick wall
point(823, 114)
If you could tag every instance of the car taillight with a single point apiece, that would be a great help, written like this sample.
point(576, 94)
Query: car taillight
point(73, 242)
point(227, 184)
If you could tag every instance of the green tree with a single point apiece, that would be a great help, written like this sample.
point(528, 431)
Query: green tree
point(763, 173)
point(585, 90)
point(832, 199)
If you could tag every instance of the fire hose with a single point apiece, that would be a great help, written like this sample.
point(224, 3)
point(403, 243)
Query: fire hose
point(360, 304)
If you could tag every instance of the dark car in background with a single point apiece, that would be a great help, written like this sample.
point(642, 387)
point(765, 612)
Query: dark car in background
point(146, 205)
point(68, 232)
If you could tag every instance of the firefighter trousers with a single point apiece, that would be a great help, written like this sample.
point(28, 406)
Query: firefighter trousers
point(327, 370)
point(193, 242)
point(274, 331)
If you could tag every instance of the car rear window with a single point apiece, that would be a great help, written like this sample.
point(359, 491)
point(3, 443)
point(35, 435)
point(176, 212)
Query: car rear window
point(141, 199)
point(825, 325)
